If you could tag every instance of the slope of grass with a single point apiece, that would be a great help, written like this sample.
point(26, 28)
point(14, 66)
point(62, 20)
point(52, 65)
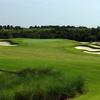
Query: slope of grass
point(58, 54)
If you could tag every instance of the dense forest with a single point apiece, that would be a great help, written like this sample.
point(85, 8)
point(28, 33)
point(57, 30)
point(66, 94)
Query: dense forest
point(51, 32)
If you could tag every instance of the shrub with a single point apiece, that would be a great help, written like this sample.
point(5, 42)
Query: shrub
point(41, 84)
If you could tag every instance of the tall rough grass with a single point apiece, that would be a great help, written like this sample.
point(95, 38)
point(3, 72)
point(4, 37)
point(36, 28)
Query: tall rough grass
point(39, 84)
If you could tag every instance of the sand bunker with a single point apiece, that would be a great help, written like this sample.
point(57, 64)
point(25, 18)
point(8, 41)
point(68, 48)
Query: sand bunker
point(89, 49)
point(6, 44)
point(92, 52)
point(95, 46)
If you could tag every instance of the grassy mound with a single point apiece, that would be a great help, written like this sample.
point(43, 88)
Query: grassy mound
point(39, 84)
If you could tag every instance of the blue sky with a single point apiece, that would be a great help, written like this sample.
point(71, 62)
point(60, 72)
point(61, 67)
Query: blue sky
point(50, 12)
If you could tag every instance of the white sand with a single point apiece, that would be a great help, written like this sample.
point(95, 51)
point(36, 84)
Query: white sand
point(6, 44)
point(95, 43)
point(92, 52)
point(86, 48)
point(95, 46)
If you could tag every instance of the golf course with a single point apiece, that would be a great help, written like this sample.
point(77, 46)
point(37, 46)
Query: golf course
point(58, 54)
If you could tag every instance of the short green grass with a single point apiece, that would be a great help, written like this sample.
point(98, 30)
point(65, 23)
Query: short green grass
point(55, 53)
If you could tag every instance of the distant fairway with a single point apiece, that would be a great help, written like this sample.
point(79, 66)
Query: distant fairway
point(57, 53)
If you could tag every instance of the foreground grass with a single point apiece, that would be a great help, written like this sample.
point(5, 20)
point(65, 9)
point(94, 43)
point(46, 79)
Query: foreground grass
point(58, 54)
point(39, 84)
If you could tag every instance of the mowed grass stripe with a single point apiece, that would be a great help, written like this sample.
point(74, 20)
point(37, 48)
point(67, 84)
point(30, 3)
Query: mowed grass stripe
point(60, 54)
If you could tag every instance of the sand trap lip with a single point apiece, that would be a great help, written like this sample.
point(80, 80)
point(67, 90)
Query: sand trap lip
point(86, 48)
point(6, 44)
point(92, 52)
point(95, 46)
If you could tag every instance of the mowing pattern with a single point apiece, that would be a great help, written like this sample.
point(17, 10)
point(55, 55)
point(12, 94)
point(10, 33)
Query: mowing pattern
point(57, 54)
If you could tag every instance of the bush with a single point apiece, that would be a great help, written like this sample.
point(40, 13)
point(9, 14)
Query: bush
point(40, 84)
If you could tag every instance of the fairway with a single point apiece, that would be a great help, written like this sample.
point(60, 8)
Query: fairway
point(57, 53)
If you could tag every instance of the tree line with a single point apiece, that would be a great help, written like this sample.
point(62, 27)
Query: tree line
point(51, 32)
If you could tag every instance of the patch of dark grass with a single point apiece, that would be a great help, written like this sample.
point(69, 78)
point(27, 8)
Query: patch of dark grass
point(40, 84)
point(38, 72)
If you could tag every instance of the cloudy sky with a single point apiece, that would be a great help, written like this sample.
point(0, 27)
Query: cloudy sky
point(50, 12)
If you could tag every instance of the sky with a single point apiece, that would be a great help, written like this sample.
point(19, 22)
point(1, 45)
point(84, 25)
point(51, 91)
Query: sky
point(50, 12)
